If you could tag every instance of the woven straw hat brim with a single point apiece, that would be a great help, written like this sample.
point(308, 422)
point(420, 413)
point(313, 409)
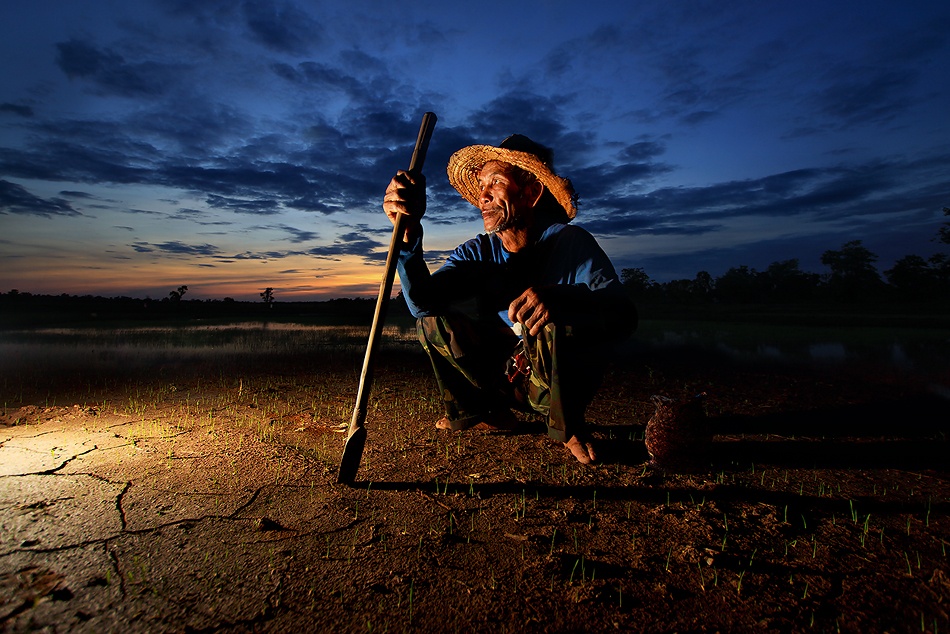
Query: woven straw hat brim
point(465, 165)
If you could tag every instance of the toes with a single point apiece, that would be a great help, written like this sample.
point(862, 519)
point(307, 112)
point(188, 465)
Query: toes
point(583, 452)
point(590, 452)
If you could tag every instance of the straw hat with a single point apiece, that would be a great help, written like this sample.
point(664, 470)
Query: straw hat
point(517, 150)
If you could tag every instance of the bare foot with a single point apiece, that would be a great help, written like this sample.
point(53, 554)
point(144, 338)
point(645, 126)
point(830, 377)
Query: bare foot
point(583, 451)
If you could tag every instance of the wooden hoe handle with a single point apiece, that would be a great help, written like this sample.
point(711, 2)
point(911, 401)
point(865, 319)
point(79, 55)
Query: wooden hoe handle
point(356, 435)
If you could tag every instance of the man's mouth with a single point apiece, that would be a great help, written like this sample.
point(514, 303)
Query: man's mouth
point(494, 218)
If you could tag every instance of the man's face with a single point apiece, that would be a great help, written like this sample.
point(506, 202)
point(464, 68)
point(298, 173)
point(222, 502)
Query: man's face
point(501, 199)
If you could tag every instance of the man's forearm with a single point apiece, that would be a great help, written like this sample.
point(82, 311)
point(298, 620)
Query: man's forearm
point(413, 272)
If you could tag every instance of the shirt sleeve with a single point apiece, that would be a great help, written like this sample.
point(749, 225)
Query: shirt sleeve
point(586, 284)
point(471, 271)
point(413, 274)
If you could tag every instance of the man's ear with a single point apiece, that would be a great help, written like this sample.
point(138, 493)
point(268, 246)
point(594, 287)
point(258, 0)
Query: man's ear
point(532, 192)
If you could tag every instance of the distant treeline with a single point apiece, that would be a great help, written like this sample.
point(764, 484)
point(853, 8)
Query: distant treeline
point(912, 288)
point(852, 278)
point(25, 310)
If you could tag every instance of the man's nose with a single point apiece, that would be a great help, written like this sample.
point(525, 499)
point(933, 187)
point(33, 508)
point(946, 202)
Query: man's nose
point(485, 194)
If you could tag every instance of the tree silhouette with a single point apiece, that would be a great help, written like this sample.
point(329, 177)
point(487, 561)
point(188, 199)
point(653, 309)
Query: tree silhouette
point(912, 277)
point(852, 270)
point(176, 295)
point(784, 280)
point(943, 233)
point(637, 281)
point(940, 267)
point(738, 284)
point(703, 285)
point(268, 296)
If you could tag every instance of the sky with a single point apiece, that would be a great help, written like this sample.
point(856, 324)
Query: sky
point(233, 146)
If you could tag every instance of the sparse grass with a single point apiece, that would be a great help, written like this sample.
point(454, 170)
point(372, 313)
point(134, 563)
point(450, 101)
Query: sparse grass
point(776, 534)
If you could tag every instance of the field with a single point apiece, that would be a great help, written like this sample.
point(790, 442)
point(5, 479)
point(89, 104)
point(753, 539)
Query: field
point(169, 480)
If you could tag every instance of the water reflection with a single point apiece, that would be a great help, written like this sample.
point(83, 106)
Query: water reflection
point(149, 345)
point(828, 352)
point(902, 349)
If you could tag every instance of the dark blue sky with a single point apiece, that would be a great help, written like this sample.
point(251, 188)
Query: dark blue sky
point(233, 146)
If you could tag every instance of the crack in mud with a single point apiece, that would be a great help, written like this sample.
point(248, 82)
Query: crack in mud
point(118, 505)
point(66, 462)
point(53, 470)
point(117, 568)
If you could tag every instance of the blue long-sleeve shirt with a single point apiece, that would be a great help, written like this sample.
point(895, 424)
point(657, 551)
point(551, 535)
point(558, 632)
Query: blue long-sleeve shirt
point(565, 256)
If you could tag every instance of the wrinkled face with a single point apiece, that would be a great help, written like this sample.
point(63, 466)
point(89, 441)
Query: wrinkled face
point(501, 199)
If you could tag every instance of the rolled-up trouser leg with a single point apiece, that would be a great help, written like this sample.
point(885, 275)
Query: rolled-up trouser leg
point(468, 359)
point(565, 374)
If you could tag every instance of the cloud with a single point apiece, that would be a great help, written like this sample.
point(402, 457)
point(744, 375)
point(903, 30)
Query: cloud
point(17, 109)
point(204, 11)
point(881, 83)
point(841, 193)
point(199, 128)
point(261, 206)
point(260, 255)
point(323, 77)
point(112, 74)
point(533, 115)
point(281, 26)
point(196, 140)
point(262, 122)
point(299, 235)
point(858, 96)
point(353, 243)
point(15, 199)
point(328, 177)
point(80, 152)
point(177, 248)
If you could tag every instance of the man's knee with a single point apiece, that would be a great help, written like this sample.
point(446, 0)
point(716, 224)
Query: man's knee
point(427, 328)
point(447, 335)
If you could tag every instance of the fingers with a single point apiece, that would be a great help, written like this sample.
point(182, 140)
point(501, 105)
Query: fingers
point(530, 311)
point(405, 194)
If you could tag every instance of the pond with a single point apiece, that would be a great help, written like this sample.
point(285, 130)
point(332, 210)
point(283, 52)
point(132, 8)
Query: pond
point(901, 349)
point(143, 346)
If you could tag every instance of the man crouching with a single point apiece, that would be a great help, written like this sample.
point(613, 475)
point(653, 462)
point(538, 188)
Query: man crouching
point(518, 316)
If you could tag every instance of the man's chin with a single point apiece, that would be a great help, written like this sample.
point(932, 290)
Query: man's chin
point(493, 224)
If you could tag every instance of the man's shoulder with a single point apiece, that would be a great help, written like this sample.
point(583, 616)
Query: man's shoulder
point(480, 248)
point(569, 232)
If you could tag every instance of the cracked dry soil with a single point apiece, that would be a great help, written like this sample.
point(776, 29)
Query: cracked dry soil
point(199, 497)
